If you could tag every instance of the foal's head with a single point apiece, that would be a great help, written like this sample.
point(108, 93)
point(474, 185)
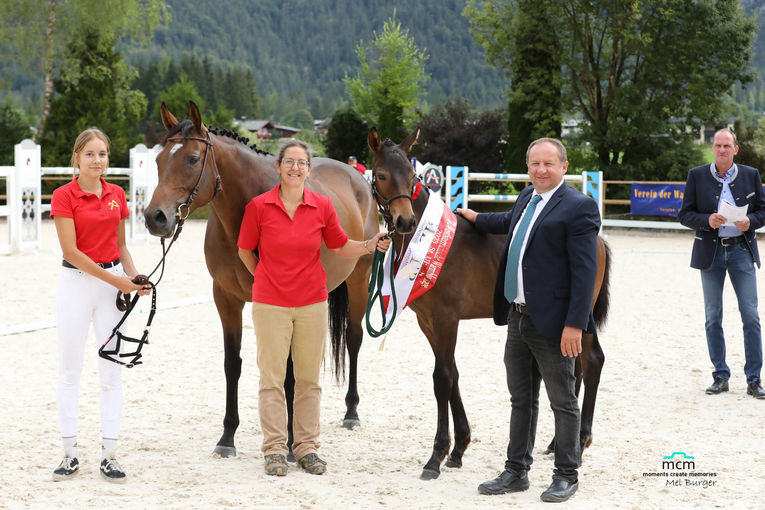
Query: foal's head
point(394, 179)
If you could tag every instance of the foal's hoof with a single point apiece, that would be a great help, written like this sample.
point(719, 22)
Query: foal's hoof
point(291, 456)
point(429, 474)
point(452, 463)
point(223, 452)
point(350, 424)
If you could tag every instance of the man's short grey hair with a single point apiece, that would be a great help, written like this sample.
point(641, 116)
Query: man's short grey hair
point(557, 143)
point(727, 130)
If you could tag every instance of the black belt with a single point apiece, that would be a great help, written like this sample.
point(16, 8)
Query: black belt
point(105, 265)
point(520, 308)
point(730, 241)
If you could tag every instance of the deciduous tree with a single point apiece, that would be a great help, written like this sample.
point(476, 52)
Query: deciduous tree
point(629, 67)
point(452, 134)
point(37, 33)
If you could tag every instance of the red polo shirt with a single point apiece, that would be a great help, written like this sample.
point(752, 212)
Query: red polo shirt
point(95, 220)
point(289, 272)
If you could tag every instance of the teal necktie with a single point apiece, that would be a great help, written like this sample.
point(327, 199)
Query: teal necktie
point(514, 254)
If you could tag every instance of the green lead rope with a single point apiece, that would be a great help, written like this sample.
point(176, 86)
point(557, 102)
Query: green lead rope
point(376, 280)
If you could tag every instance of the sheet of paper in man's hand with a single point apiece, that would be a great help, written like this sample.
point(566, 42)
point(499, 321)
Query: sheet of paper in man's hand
point(732, 213)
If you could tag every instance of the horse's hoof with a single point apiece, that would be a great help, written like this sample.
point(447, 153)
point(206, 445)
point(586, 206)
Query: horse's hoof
point(291, 457)
point(450, 462)
point(350, 424)
point(429, 474)
point(223, 452)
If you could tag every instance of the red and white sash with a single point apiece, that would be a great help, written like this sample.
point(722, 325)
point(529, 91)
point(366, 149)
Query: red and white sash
point(421, 264)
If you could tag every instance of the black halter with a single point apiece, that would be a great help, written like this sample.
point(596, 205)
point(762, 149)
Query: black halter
point(383, 204)
point(124, 303)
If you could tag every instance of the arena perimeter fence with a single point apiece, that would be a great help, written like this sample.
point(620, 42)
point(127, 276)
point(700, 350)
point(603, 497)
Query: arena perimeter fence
point(24, 203)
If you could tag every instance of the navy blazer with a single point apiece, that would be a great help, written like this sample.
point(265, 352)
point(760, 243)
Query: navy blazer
point(559, 264)
point(700, 200)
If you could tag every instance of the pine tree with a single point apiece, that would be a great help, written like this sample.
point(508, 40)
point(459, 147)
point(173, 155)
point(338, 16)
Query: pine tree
point(99, 95)
point(389, 82)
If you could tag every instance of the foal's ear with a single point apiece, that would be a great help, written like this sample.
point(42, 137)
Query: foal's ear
point(168, 119)
point(373, 139)
point(409, 141)
point(196, 118)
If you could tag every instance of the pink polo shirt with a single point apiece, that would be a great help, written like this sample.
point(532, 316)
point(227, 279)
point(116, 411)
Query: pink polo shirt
point(95, 219)
point(289, 272)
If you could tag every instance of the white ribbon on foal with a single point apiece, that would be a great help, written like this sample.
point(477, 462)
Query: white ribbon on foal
point(421, 264)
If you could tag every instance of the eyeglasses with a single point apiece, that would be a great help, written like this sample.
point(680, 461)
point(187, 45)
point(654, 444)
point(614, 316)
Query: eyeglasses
point(302, 164)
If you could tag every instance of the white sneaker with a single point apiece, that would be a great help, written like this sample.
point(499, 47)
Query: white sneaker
point(111, 471)
point(68, 468)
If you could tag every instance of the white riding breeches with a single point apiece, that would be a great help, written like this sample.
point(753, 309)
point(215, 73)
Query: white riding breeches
point(83, 298)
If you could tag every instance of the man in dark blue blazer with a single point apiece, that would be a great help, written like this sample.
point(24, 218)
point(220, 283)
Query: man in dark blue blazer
point(720, 247)
point(544, 295)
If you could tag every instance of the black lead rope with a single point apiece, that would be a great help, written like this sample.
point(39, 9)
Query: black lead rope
point(123, 301)
point(135, 355)
point(125, 304)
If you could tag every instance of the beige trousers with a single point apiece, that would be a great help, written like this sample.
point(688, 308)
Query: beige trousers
point(303, 331)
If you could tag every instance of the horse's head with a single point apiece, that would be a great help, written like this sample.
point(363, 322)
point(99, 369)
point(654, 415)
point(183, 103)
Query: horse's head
point(188, 174)
point(394, 180)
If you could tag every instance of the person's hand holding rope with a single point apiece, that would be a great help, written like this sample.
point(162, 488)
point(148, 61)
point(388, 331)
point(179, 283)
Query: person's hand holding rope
point(139, 283)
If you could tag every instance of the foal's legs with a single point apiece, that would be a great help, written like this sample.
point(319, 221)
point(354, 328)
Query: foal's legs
point(461, 425)
point(592, 365)
point(443, 338)
point(230, 312)
point(289, 396)
point(358, 292)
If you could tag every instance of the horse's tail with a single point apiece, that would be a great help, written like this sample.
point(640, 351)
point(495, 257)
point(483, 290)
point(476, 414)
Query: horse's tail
point(339, 316)
point(603, 302)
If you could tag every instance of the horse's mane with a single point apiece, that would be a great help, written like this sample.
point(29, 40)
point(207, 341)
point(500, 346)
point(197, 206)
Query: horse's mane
point(184, 126)
point(235, 136)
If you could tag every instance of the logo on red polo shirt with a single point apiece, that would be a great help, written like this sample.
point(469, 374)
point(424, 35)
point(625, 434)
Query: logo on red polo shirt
point(113, 204)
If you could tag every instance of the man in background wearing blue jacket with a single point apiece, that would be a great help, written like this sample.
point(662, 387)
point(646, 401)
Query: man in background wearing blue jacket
point(720, 246)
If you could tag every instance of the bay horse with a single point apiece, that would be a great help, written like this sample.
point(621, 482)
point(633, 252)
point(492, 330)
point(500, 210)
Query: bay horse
point(199, 166)
point(464, 290)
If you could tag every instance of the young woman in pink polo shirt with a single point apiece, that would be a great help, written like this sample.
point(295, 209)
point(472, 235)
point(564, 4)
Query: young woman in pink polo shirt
point(89, 213)
point(287, 226)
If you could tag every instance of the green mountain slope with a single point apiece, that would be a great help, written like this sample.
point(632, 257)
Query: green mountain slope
point(306, 46)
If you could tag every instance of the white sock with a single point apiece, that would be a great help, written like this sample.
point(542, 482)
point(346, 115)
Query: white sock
point(70, 446)
point(108, 447)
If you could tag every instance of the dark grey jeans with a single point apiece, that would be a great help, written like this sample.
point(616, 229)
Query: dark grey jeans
point(530, 359)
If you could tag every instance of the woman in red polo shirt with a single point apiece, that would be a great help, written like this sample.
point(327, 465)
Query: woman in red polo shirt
point(289, 301)
point(89, 213)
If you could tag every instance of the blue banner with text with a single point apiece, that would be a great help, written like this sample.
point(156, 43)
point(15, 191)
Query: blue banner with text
point(656, 199)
